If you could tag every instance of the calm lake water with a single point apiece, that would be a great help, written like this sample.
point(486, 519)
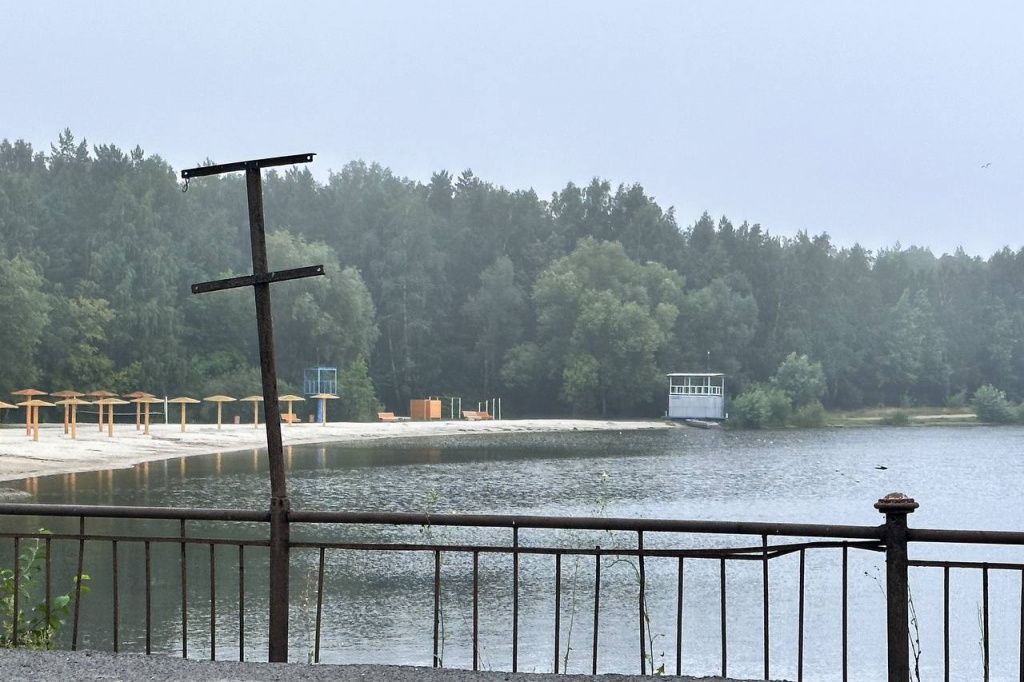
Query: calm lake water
point(378, 607)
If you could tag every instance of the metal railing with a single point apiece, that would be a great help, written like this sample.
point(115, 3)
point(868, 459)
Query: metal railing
point(892, 537)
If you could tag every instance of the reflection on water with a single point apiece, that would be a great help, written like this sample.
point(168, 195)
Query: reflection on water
point(378, 607)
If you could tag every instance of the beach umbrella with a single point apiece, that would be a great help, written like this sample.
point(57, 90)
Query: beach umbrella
point(184, 402)
point(100, 395)
point(291, 399)
point(7, 406)
point(323, 398)
point(33, 405)
point(146, 400)
point(134, 396)
point(67, 407)
point(28, 394)
point(255, 400)
point(73, 403)
point(110, 416)
point(220, 400)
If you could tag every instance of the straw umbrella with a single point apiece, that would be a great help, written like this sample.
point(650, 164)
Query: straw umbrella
point(291, 399)
point(220, 400)
point(323, 398)
point(73, 403)
point(146, 400)
point(110, 416)
point(184, 402)
point(67, 407)
point(101, 395)
point(134, 396)
point(33, 405)
point(28, 394)
point(255, 400)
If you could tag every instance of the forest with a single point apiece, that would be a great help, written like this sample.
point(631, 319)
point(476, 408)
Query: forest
point(576, 303)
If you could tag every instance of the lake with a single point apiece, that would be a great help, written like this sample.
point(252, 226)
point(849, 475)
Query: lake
point(378, 608)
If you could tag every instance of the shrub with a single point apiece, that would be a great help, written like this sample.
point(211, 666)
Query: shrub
point(809, 416)
point(897, 418)
point(990, 405)
point(758, 406)
point(957, 400)
point(801, 380)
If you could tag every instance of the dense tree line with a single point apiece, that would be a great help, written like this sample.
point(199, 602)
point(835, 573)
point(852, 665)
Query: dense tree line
point(575, 303)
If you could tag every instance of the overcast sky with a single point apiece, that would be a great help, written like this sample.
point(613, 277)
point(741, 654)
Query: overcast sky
point(867, 120)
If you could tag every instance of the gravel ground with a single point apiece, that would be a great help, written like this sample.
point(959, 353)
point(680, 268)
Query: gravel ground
point(31, 666)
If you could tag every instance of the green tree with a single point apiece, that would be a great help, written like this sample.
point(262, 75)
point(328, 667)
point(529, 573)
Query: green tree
point(24, 310)
point(801, 380)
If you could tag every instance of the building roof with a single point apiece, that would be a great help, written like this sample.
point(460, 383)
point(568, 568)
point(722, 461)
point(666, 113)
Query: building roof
point(696, 374)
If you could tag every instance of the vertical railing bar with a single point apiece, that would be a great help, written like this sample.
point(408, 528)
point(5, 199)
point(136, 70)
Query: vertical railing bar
point(319, 603)
point(241, 603)
point(766, 624)
point(984, 604)
point(114, 593)
point(643, 586)
point(78, 582)
point(945, 622)
point(213, 602)
point(558, 606)
point(725, 633)
point(597, 602)
point(800, 624)
point(49, 583)
point(17, 592)
point(846, 610)
point(437, 606)
point(149, 598)
point(184, 592)
point(515, 598)
point(476, 609)
point(1020, 649)
point(679, 620)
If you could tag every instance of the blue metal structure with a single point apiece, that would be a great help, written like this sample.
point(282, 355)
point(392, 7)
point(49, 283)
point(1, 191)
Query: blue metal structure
point(320, 379)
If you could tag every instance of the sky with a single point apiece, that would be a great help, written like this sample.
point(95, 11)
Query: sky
point(870, 121)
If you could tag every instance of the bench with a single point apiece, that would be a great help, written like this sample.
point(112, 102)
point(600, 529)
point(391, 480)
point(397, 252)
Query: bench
point(290, 418)
point(387, 417)
point(475, 416)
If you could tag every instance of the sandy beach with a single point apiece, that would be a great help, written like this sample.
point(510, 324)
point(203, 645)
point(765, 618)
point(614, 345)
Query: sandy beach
point(56, 453)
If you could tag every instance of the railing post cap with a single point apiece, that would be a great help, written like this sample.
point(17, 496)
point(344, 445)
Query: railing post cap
point(896, 503)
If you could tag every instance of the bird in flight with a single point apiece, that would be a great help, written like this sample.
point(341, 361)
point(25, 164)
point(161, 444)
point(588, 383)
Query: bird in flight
point(987, 164)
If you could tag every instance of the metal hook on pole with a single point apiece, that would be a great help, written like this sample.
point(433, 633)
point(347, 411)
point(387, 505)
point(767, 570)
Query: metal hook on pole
point(185, 188)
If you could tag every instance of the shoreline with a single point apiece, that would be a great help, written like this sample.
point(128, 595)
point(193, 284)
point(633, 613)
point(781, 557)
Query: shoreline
point(56, 453)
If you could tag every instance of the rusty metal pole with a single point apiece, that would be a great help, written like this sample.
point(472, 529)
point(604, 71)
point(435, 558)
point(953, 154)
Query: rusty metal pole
point(896, 506)
point(279, 504)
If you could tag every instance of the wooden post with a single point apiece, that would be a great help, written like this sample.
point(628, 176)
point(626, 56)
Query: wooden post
point(183, 406)
point(255, 414)
point(110, 421)
point(74, 420)
point(896, 506)
point(138, 415)
point(147, 419)
point(220, 405)
point(35, 421)
point(67, 413)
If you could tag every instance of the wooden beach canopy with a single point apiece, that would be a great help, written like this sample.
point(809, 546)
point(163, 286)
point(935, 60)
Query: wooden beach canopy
point(220, 400)
point(32, 405)
point(67, 408)
point(184, 401)
point(73, 403)
point(255, 400)
point(323, 398)
point(100, 395)
point(133, 396)
point(6, 406)
point(28, 394)
point(146, 400)
point(291, 399)
point(114, 400)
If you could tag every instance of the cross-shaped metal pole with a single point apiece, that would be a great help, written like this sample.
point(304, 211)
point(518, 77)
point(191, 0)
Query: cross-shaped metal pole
point(260, 281)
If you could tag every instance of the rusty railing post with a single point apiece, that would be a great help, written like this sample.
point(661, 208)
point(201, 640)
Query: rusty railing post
point(896, 506)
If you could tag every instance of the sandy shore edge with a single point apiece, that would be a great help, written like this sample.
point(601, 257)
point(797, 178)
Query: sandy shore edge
point(56, 453)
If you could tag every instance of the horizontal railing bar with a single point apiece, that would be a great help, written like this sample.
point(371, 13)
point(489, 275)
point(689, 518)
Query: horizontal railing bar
point(118, 512)
point(732, 554)
point(590, 523)
point(93, 537)
point(983, 537)
point(977, 565)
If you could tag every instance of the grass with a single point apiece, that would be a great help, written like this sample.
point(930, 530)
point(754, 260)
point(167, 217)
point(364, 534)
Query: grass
point(918, 416)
